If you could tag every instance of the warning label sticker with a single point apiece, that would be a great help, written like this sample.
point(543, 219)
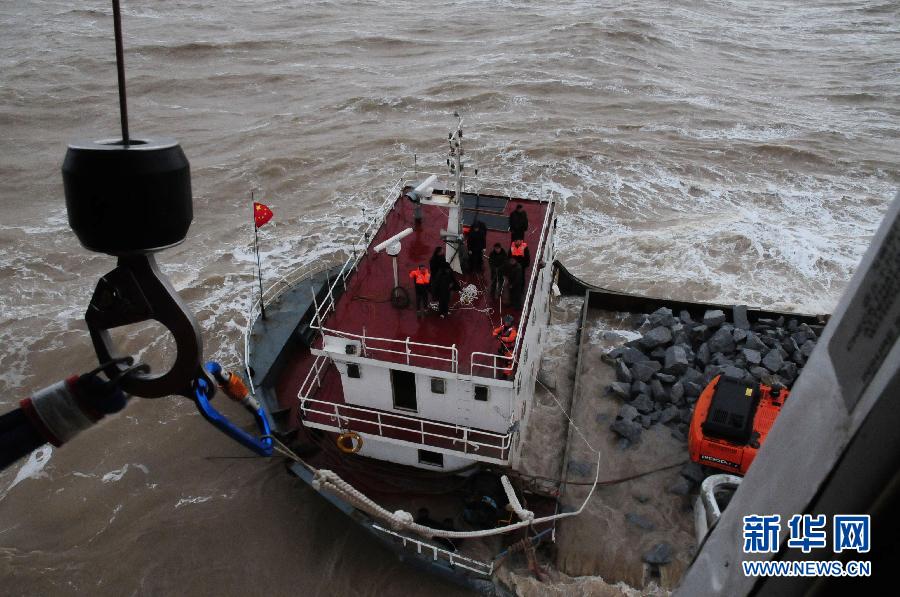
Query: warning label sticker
point(871, 325)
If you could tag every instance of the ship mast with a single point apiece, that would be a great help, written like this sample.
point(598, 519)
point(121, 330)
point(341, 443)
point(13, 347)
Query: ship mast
point(453, 233)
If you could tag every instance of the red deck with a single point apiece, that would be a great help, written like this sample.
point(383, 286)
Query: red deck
point(365, 306)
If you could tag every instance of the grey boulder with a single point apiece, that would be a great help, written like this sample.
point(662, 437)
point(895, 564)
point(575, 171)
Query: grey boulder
point(739, 317)
point(722, 341)
point(627, 429)
point(645, 370)
point(620, 389)
point(714, 318)
point(627, 413)
point(643, 404)
point(751, 356)
point(655, 337)
point(773, 361)
point(623, 374)
point(676, 360)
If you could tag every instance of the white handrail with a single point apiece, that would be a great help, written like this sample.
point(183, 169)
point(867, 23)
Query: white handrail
point(314, 375)
point(406, 345)
point(284, 283)
point(362, 240)
point(454, 559)
point(272, 294)
point(493, 366)
point(531, 282)
point(340, 414)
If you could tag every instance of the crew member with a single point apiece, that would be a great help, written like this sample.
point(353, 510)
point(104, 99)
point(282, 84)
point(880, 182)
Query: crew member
point(496, 260)
point(520, 251)
point(518, 223)
point(438, 260)
point(477, 241)
point(514, 278)
point(422, 279)
point(444, 283)
point(506, 333)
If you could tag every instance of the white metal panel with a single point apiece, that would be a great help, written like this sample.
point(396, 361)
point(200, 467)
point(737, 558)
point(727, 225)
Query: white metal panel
point(457, 405)
point(392, 452)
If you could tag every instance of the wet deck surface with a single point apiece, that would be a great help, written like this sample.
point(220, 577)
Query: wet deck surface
point(601, 541)
point(270, 335)
point(366, 308)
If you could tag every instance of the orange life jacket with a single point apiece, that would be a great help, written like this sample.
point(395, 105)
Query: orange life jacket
point(518, 251)
point(505, 334)
point(421, 278)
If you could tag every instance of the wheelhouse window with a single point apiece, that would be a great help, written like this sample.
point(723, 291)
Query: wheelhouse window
point(353, 370)
point(481, 393)
point(438, 385)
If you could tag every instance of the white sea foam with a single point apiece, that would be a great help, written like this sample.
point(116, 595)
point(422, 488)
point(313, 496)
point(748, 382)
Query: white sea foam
point(33, 468)
point(192, 500)
point(696, 154)
point(118, 474)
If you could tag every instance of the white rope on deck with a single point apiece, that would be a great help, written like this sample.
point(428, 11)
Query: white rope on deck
point(324, 479)
point(514, 503)
point(468, 295)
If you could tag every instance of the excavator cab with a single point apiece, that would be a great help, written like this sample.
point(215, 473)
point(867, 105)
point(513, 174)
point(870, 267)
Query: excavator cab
point(730, 422)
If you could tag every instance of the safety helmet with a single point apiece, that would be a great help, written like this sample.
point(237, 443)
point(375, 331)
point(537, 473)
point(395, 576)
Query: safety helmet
point(508, 319)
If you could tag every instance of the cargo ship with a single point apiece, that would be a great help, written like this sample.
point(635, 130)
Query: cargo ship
point(428, 424)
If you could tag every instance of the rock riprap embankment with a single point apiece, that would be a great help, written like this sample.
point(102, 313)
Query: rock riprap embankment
point(660, 375)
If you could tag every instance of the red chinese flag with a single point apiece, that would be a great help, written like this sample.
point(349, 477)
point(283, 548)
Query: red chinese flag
point(261, 214)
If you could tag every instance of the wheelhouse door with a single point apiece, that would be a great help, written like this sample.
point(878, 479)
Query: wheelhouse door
point(403, 384)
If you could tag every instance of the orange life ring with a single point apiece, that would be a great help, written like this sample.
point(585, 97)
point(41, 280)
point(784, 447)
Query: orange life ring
point(349, 442)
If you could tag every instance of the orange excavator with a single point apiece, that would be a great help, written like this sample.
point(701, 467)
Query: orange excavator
point(731, 421)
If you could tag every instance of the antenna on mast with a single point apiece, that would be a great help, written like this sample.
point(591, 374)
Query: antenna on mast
point(453, 235)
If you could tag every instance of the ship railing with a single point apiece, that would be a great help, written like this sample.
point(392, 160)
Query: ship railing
point(273, 292)
point(495, 364)
point(382, 424)
point(343, 414)
point(486, 185)
point(314, 377)
point(407, 350)
point(454, 559)
point(532, 282)
point(356, 252)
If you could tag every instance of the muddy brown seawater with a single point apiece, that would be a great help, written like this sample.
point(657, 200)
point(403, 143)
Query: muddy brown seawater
point(705, 151)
